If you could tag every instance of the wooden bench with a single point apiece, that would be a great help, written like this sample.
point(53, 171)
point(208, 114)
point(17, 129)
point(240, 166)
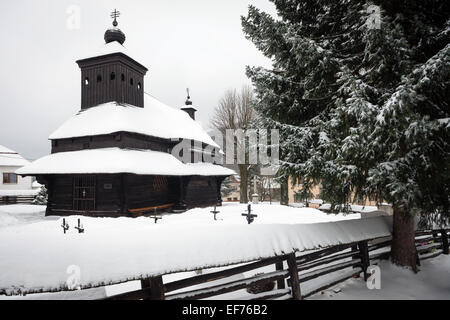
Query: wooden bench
point(151, 209)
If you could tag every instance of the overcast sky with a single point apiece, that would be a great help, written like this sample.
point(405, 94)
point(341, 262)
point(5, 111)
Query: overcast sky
point(197, 44)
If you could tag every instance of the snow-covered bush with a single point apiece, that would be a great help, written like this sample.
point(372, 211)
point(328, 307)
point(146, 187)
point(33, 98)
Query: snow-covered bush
point(42, 197)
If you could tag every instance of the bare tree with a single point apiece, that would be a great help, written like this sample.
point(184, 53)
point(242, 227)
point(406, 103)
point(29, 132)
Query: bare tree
point(234, 111)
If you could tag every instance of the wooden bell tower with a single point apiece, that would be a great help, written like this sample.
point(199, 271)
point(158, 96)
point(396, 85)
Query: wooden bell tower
point(114, 76)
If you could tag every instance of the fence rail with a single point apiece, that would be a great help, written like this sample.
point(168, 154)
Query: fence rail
point(291, 270)
point(4, 200)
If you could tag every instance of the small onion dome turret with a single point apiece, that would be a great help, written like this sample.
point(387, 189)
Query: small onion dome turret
point(188, 108)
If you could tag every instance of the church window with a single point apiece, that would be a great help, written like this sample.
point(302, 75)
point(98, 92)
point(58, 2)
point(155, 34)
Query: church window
point(122, 77)
point(86, 81)
point(139, 86)
point(113, 76)
point(99, 78)
point(131, 81)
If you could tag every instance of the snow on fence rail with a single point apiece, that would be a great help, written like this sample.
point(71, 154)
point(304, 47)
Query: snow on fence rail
point(342, 261)
point(140, 254)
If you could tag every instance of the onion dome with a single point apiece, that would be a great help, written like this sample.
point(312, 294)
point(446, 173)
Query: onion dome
point(115, 34)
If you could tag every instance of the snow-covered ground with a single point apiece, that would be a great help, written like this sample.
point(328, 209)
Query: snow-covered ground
point(35, 252)
point(230, 213)
point(38, 253)
point(20, 214)
point(431, 282)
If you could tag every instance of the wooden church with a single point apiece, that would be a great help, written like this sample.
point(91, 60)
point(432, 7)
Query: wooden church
point(114, 157)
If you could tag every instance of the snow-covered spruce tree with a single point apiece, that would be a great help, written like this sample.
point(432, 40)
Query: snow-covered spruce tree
point(42, 197)
point(360, 92)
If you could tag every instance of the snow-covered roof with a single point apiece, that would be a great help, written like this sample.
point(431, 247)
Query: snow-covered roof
point(115, 160)
point(11, 158)
point(155, 119)
point(107, 48)
point(111, 48)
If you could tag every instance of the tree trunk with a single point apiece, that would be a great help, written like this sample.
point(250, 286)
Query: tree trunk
point(243, 185)
point(403, 251)
point(284, 195)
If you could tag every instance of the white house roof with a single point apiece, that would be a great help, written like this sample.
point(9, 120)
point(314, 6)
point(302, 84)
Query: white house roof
point(115, 160)
point(155, 119)
point(11, 158)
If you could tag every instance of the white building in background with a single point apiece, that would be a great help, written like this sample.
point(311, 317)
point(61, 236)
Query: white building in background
point(11, 184)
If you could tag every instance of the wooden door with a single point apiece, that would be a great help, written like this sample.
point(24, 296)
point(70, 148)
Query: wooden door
point(84, 193)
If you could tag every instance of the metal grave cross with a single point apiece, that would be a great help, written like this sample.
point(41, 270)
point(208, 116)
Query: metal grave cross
point(156, 217)
point(80, 227)
point(215, 212)
point(65, 226)
point(249, 216)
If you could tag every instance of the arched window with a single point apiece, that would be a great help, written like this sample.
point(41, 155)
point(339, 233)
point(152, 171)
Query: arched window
point(99, 78)
point(131, 81)
point(86, 81)
point(139, 86)
point(112, 76)
point(122, 77)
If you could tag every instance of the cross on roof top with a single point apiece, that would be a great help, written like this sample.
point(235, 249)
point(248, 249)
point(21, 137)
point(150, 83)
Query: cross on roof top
point(115, 14)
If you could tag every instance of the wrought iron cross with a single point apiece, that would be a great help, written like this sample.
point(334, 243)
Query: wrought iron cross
point(115, 14)
point(65, 226)
point(249, 216)
point(215, 212)
point(155, 216)
point(80, 227)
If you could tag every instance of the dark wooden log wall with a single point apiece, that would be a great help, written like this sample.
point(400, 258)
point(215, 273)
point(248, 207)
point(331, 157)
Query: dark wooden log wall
point(116, 194)
point(108, 195)
point(118, 140)
point(147, 191)
point(121, 140)
point(201, 191)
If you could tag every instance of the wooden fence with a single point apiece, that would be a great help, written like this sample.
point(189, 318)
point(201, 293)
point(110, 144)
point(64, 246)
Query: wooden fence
point(4, 200)
point(291, 273)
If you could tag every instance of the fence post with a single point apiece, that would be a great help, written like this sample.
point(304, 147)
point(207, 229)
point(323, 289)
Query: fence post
point(293, 274)
point(280, 283)
point(417, 256)
point(355, 249)
point(444, 241)
point(365, 260)
point(155, 286)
